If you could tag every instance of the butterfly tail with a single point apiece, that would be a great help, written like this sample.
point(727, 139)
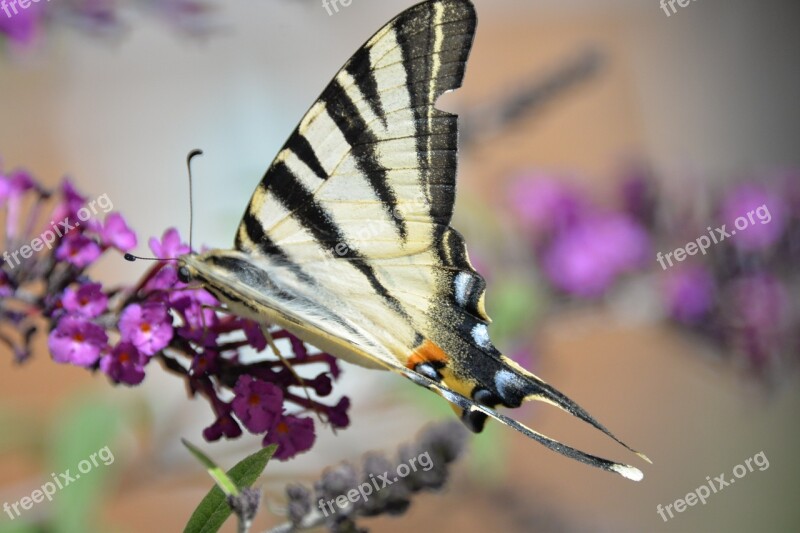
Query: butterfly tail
point(519, 385)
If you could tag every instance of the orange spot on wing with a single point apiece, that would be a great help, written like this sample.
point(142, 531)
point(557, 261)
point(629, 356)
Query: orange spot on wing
point(428, 352)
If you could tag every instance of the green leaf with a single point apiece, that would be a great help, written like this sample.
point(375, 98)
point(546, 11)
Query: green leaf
point(223, 481)
point(213, 511)
point(18, 528)
point(83, 438)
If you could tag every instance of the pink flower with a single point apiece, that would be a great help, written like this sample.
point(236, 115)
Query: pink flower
point(88, 300)
point(147, 326)
point(117, 234)
point(586, 259)
point(293, 435)
point(257, 404)
point(78, 249)
point(125, 364)
point(77, 341)
point(224, 426)
point(170, 245)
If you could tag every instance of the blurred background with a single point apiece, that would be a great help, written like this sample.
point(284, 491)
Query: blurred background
point(595, 135)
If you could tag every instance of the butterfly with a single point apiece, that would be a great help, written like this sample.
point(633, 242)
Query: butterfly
point(347, 243)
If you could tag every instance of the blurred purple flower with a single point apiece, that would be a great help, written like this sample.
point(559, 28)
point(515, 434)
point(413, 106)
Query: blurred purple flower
point(293, 435)
point(224, 426)
point(205, 363)
point(760, 301)
point(165, 278)
point(78, 249)
point(125, 364)
point(767, 210)
point(147, 326)
point(15, 184)
point(13, 187)
point(545, 204)
point(116, 233)
point(255, 337)
point(88, 300)
point(6, 289)
point(322, 384)
point(586, 259)
point(20, 26)
point(200, 320)
point(77, 341)
point(333, 365)
point(170, 245)
point(257, 404)
point(71, 202)
point(758, 313)
point(337, 415)
point(689, 291)
point(639, 194)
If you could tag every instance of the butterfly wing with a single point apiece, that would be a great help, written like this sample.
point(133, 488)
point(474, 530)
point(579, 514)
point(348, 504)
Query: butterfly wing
point(346, 240)
point(361, 195)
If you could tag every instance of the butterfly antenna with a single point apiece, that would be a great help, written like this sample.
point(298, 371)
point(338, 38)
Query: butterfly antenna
point(132, 258)
point(192, 155)
point(189, 158)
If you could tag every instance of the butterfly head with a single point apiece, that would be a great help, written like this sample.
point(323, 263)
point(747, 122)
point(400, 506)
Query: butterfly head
point(184, 274)
point(199, 268)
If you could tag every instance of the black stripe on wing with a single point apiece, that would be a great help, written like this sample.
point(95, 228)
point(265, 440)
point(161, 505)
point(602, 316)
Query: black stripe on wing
point(430, 73)
point(363, 147)
point(359, 67)
point(264, 244)
point(312, 216)
point(298, 144)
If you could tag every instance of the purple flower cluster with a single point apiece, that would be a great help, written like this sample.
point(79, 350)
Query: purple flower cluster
point(582, 249)
point(23, 27)
point(119, 331)
point(737, 294)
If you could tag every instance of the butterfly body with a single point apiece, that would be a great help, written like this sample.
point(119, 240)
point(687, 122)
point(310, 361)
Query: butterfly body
point(346, 241)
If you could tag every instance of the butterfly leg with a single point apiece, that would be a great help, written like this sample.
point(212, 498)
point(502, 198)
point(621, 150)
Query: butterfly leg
point(287, 364)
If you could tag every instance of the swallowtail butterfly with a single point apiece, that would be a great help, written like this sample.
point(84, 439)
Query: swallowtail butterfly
point(347, 243)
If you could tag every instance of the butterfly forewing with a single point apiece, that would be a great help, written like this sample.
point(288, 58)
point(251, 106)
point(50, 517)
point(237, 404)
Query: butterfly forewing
point(361, 194)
